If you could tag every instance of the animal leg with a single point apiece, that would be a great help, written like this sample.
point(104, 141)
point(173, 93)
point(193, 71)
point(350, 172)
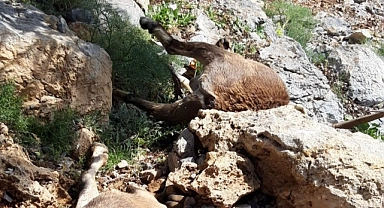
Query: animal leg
point(89, 187)
point(178, 112)
point(203, 52)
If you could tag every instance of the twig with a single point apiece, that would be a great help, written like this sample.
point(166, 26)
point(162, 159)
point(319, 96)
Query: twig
point(357, 121)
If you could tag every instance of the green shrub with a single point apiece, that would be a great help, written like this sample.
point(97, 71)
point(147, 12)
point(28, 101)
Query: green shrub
point(130, 130)
point(371, 129)
point(137, 67)
point(296, 21)
point(217, 18)
point(57, 135)
point(318, 59)
point(11, 108)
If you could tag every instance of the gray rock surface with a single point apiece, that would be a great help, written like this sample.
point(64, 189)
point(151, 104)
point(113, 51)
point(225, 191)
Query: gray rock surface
point(301, 162)
point(363, 71)
point(306, 83)
point(248, 11)
point(207, 30)
point(334, 26)
point(223, 179)
point(128, 9)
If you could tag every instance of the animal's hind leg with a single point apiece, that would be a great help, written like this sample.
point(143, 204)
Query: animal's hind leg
point(180, 111)
point(203, 52)
point(89, 186)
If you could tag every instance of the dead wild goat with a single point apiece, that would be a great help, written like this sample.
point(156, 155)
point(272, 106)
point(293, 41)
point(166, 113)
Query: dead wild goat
point(229, 82)
point(89, 196)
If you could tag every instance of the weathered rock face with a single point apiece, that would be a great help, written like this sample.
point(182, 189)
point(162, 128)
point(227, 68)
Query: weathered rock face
point(223, 178)
point(301, 162)
point(306, 84)
point(23, 183)
point(52, 69)
point(227, 177)
point(362, 69)
point(130, 9)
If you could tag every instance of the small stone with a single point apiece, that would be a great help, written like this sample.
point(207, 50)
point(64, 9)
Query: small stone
point(157, 185)
point(7, 198)
point(173, 204)
point(147, 176)
point(176, 197)
point(3, 129)
point(52, 21)
point(62, 25)
point(122, 164)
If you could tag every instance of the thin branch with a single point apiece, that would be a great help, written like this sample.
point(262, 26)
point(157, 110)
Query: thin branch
point(357, 121)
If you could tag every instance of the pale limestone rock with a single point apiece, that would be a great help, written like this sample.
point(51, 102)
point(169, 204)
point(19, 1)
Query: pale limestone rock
point(224, 178)
point(44, 62)
point(299, 161)
point(129, 9)
point(148, 176)
point(227, 177)
point(362, 69)
point(157, 185)
point(25, 183)
point(122, 164)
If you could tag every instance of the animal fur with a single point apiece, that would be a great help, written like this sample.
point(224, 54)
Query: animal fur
point(229, 82)
point(89, 196)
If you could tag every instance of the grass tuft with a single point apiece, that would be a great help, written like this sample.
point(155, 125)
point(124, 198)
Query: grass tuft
point(295, 21)
point(172, 14)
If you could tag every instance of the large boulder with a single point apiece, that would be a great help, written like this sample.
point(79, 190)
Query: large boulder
point(52, 69)
point(301, 162)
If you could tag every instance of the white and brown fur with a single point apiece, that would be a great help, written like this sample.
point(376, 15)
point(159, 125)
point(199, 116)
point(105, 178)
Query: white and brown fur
point(90, 197)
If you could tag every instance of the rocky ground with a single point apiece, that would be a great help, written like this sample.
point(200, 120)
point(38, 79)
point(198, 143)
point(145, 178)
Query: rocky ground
point(254, 35)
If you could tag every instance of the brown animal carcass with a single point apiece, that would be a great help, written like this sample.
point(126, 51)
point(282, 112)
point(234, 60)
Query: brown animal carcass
point(229, 82)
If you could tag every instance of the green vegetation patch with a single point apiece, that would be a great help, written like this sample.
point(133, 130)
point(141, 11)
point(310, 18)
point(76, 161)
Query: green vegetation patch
point(130, 131)
point(172, 14)
point(371, 129)
point(295, 21)
point(11, 108)
point(57, 135)
point(380, 50)
point(54, 136)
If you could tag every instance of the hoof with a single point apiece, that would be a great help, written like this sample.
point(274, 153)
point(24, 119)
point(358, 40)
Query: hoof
point(99, 152)
point(223, 43)
point(148, 24)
